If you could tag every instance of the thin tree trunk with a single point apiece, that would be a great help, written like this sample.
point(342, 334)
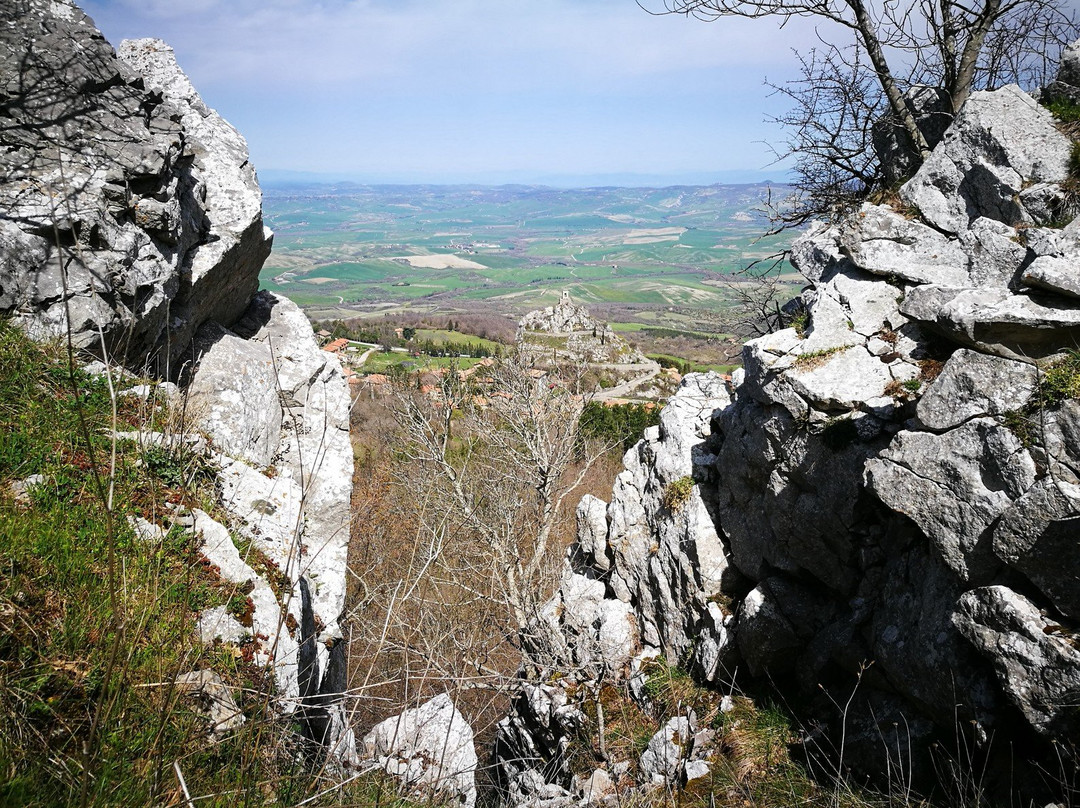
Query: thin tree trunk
point(865, 27)
point(965, 74)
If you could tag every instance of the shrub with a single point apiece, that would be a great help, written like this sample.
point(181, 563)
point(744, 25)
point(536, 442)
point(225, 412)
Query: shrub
point(1060, 381)
point(677, 493)
point(623, 423)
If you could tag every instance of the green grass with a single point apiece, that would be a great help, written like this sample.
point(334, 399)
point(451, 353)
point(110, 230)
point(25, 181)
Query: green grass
point(95, 625)
point(443, 337)
point(1060, 381)
point(677, 494)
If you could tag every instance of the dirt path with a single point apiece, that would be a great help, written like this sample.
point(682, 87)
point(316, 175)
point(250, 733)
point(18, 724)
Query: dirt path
point(622, 390)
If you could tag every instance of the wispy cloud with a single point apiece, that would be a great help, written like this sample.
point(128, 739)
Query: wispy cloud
point(595, 84)
point(504, 42)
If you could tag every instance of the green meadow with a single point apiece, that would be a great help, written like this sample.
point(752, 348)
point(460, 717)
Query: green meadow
point(652, 255)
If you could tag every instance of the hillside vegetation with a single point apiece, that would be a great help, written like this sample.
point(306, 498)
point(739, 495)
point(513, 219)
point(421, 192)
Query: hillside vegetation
point(98, 620)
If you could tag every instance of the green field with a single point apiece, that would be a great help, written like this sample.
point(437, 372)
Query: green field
point(345, 250)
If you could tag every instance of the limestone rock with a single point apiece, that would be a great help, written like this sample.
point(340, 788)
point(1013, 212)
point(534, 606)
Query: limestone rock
point(266, 511)
point(995, 252)
point(840, 380)
point(154, 239)
point(1038, 536)
point(883, 242)
point(999, 141)
point(214, 700)
point(275, 647)
point(217, 624)
point(913, 639)
point(1057, 274)
point(1036, 661)
point(767, 639)
point(596, 788)
point(314, 448)
point(592, 532)
point(893, 146)
point(993, 320)
point(974, 384)
point(954, 486)
point(223, 268)
point(662, 761)
point(234, 396)
point(430, 749)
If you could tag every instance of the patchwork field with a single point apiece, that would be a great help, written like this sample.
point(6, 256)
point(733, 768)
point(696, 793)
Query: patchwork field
point(645, 256)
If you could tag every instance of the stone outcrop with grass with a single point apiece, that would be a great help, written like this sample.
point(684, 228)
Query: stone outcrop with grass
point(568, 331)
point(131, 228)
point(884, 524)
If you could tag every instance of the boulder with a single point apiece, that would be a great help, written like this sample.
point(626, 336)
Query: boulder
point(954, 486)
point(156, 205)
point(1037, 536)
point(1057, 274)
point(430, 749)
point(1000, 142)
point(1037, 661)
point(995, 321)
point(883, 242)
point(973, 385)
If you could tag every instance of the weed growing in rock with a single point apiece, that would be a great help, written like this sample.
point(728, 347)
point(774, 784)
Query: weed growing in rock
point(815, 359)
point(677, 494)
point(1064, 110)
point(801, 322)
point(1060, 380)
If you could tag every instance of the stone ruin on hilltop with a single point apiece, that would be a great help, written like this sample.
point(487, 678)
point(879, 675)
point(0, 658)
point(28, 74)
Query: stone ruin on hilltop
point(571, 333)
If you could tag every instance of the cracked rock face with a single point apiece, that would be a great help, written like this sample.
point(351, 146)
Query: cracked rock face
point(430, 749)
point(129, 207)
point(999, 144)
point(870, 527)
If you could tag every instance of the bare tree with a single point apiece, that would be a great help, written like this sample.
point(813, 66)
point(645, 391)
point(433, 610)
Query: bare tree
point(835, 104)
point(867, 78)
point(500, 459)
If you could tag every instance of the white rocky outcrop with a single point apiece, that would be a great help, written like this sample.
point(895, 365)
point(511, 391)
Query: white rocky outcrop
point(156, 209)
point(276, 408)
point(997, 159)
point(131, 214)
point(885, 505)
point(430, 749)
point(572, 332)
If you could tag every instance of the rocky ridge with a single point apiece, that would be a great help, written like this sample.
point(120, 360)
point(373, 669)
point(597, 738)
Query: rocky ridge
point(132, 222)
point(131, 213)
point(884, 500)
point(572, 332)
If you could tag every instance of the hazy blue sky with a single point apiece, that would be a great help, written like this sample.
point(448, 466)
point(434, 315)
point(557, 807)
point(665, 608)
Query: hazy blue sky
point(476, 90)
